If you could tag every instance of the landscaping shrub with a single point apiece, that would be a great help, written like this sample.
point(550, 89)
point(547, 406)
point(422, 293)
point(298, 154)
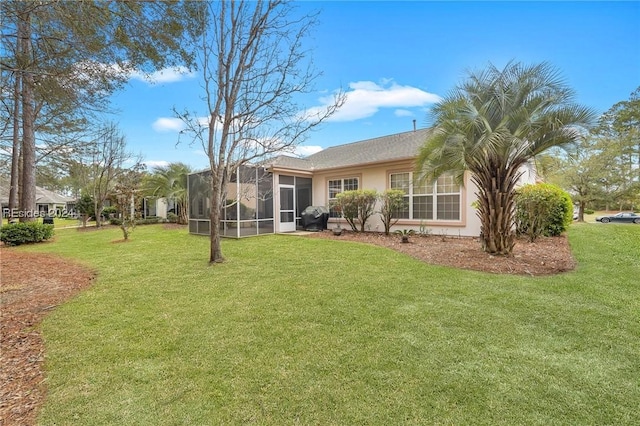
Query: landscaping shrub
point(589, 211)
point(109, 210)
point(356, 206)
point(392, 201)
point(15, 234)
point(172, 217)
point(150, 220)
point(542, 209)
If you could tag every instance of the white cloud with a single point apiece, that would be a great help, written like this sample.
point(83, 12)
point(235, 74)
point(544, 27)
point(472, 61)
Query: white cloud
point(204, 121)
point(166, 75)
point(304, 151)
point(366, 98)
point(403, 113)
point(155, 163)
point(168, 124)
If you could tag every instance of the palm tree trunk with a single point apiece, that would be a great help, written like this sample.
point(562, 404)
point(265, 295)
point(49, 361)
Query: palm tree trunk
point(183, 217)
point(496, 211)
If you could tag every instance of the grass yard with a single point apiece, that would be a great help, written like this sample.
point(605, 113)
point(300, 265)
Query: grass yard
point(308, 331)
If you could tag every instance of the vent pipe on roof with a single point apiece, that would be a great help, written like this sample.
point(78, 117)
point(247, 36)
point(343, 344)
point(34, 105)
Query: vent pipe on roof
point(414, 124)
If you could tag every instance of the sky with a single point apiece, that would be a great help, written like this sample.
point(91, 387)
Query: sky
point(396, 59)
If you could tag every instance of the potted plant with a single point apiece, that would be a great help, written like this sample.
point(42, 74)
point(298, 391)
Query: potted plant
point(404, 234)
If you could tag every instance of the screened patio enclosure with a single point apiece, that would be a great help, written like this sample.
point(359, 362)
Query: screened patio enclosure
point(248, 207)
point(258, 202)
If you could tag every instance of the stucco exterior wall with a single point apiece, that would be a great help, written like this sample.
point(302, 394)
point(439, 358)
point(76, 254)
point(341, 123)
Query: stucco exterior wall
point(161, 208)
point(376, 176)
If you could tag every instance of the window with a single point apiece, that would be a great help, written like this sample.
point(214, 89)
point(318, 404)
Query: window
point(337, 186)
point(439, 200)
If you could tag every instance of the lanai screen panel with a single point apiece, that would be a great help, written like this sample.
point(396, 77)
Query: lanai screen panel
point(247, 210)
point(199, 185)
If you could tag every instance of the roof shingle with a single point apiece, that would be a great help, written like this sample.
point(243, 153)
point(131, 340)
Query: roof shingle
point(399, 146)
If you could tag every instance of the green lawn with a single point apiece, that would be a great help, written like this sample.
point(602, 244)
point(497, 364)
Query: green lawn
point(310, 331)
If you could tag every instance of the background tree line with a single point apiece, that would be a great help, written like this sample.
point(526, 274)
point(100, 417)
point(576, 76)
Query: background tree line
point(602, 172)
point(61, 62)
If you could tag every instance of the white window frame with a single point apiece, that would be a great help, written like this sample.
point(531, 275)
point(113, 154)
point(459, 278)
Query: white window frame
point(342, 189)
point(437, 190)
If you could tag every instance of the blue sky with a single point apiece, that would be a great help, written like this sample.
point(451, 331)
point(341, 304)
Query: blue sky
point(395, 59)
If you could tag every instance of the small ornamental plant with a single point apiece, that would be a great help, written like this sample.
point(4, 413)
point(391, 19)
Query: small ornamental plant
point(404, 234)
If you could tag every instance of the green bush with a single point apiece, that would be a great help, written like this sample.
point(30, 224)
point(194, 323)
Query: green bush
point(115, 221)
point(356, 206)
point(15, 234)
point(392, 200)
point(172, 217)
point(589, 211)
point(542, 209)
point(148, 220)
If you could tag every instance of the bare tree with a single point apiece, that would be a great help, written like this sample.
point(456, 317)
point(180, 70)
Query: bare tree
point(127, 196)
point(254, 66)
point(109, 160)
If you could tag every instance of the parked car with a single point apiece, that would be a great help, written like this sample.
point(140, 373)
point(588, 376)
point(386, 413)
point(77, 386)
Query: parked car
point(622, 217)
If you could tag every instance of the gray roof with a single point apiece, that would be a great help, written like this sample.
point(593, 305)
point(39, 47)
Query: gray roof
point(399, 146)
point(43, 196)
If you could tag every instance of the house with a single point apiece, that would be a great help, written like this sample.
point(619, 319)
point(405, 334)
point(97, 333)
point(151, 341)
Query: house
point(48, 203)
point(158, 207)
point(270, 198)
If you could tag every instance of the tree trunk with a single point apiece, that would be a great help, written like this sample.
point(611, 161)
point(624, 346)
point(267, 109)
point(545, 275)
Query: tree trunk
point(28, 181)
point(16, 155)
point(215, 255)
point(96, 211)
point(183, 217)
point(496, 212)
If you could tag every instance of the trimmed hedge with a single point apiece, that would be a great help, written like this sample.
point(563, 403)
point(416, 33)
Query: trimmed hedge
point(15, 234)
point(542, 209)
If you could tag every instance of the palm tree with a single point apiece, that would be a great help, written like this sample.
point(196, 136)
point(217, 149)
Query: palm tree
point(492, 125)
point(170, 182)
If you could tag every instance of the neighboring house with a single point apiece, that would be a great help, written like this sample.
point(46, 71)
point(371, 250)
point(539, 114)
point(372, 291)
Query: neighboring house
point(275, 194)
point(47, 202)
point(157, 207)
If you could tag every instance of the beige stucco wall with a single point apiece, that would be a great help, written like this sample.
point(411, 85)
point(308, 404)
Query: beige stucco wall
point(376, 176)
point(161, 208)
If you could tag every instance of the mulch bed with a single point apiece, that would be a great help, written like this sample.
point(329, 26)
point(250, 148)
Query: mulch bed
point(31, 285)
point(545, 256)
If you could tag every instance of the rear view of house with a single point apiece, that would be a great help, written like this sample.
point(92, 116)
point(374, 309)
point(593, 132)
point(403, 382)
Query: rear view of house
point(272, 197)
